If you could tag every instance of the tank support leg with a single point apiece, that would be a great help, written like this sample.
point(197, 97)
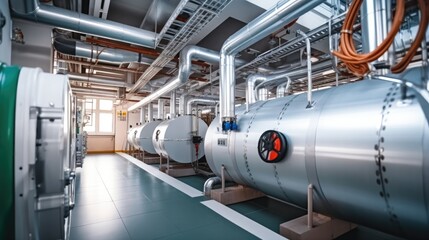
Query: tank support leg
point(310, 206)
point(223, 178)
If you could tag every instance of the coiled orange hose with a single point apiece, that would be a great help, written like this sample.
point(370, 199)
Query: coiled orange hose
point(357, 63)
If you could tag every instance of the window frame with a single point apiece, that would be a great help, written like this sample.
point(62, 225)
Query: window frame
point(96, 112)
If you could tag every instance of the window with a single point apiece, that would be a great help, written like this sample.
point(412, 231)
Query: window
point(99, 116)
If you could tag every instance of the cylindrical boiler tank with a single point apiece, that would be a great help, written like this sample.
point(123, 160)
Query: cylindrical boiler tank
point(364, 149)
point(131, 137)
point(144, 134)
point(173, 139)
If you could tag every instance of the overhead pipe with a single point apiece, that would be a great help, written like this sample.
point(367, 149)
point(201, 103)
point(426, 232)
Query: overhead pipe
point(96, 80)
point(103, 54)
point(185, 65)
point(191, 101)
point(74, 21)
point(281, 14)
point(258, 80)
point(95, 91)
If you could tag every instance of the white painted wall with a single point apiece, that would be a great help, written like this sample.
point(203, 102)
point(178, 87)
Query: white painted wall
point(122, 127)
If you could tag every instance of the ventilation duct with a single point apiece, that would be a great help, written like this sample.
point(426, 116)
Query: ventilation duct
point(34, 11)
point(84, 50)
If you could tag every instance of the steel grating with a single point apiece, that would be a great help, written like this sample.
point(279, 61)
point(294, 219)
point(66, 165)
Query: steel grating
point(204, 12)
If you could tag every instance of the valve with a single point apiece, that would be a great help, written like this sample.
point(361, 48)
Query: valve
point(272, 146)
point(229, 125)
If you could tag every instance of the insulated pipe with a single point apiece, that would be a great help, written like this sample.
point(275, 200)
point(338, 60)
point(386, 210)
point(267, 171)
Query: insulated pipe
point(142, 115)
point(273, 19)
point(283, 88)
point(173, 104)
point(101, 81)
point(97, 91)
point(85, 50)
point(210, 183)
point(271, 79)
point(186, 55)
point(191, 101)
point(309, 79)
point(59, 17)
point(182, 104)
point(252, 81)
point(374, 22)
point(150, 112)
point(161, 109)
point(262, 94)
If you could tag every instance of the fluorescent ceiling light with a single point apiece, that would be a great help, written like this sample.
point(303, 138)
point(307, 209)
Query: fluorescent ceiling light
point(265, 4)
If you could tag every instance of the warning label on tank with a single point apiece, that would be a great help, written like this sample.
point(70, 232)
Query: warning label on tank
point(221, 141)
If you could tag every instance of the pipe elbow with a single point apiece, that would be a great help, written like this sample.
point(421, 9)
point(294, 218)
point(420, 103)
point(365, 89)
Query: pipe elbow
point(210, 183)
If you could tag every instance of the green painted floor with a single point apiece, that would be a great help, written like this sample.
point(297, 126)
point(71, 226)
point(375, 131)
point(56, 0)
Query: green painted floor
point(117, 200)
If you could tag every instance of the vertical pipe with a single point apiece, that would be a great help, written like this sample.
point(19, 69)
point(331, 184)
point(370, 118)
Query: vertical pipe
point(375, 23)
point(223, 178)
point(142, 115)
point(150, 112)
point(425, 69)
point(262, 94)
point(182, 103)
point(161, 109)
point(310, 81)
point(310, 206)
point(283, 88)
point(173, 104)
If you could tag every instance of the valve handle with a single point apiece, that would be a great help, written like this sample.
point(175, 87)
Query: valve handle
point(272, 146)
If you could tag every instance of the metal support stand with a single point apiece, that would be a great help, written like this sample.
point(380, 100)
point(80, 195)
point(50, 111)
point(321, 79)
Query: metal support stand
point(223, 178)
point(310, 206)
point(314, 225)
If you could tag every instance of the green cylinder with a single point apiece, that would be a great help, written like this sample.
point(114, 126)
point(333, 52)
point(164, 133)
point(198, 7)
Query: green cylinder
point(8, 86)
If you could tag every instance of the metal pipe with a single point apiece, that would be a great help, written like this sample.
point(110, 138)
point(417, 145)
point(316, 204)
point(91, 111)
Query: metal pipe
point(263, 94)
point(142, 115)
point(283, 88)
point(74, 21)
point(374, 22)
point(309, 79)
point(209, 183)
point(310, 206)
point(182, 104)
point(101, 81)
point(102, 54)
point(223, 178)
point(89, 90)
point(150, 112)
point(161, 109)
point(173, 104)
point(273, 19)
point(253, 80)
point(191, 101)
point(187, 54)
